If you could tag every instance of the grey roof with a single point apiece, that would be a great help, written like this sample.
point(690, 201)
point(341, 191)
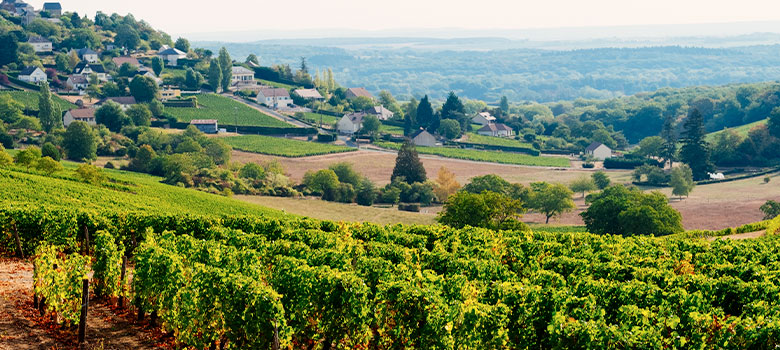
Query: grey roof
point(593, 146)
point(122, 100)
point(495, 127)
point(240, 70)
point(52, 6)
point(78, 79)
point(308, 93)
point(95, 67)
point(203, 122)
point(86, 51)
point(421, 132)
point(356, 118)
point(171, 51)
point(274, 92)
point(28, 70)
point(38, 39)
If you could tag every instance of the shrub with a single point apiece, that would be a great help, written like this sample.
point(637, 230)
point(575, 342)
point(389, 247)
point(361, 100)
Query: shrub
point(413, 207)
point(90, 174)
point(629, 211)
point(51, 151)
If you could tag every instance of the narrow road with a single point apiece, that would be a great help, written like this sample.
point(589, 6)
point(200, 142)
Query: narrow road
point(269, 112)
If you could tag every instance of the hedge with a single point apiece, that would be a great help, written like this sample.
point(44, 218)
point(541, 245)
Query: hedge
point(246, 129)
point(24, 83)
point(267, 73)
point(326, 137)
point(629, 163)
point(526, 150)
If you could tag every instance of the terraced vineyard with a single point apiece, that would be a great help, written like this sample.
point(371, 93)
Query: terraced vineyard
point(277, 146)
point(30, 100)
point(226, 111)
point(486, 156)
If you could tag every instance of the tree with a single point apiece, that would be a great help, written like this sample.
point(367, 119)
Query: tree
point(157, 65)
point(321, 181)
point(583, 184)
point(218, 150)
point(182, 44)
point(346, 173)
point(601, 179)
point(127, 70)
point(28, 157)
point(156, 108)
point(361, 103)
point(488, 209)
point(227, 68)
point(550, 199)
point(143, 159)
point(127, 36)
point(139, 114)
point(192, 79)
point(449, 129)
point(366, 193)
point(774, 123)
point(387, 100)
point(408, 165)
point(144, 88)
point(10, 109)
point(215, 74)
point(651, 146)
point(48, 113)
point(5, 158)
point(79, 141)
point(624, 211)
point(445, 184)
point(504, 105)
point(61, 60)
point(425, 117)
point(48, 165)
point(51, 151)
point(370, 125)
point(452, 108)
point(111, 115)
point(410, 117)
point(252, 171)
point(669, 150)
point(681, 181)
point(695, 149)
point(9, 49)
point(771, 209)
point(252, 58)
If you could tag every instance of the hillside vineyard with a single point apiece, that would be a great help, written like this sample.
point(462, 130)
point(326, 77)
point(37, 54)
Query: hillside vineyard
point(348, 286)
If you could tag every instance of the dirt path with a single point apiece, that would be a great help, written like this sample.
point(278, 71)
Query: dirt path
point(746, 235)
point(21, 327)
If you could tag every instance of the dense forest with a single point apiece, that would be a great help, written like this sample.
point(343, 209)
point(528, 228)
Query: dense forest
point(522, 74)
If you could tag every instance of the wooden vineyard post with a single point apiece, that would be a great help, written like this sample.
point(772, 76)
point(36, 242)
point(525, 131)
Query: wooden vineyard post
point(84, 307)
point(86, 240)
point(276, 336)
point(35, 295)
point(122, 283)
point(18, 242)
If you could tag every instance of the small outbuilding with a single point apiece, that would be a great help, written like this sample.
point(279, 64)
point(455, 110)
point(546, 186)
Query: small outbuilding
point(207, 126)
point(424, 138)
point(599, 151)
point(483, 118)
point(32, 75)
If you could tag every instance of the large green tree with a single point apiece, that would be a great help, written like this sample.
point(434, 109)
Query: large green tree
point(226, 64)
point(550, 199)
point(408, 165)
point(695, 149)
point(410, 117)
point(182, 44)
point(774, 123)
point(487, 209)
point(426, 118)
point(681, 180)
point(112, 116)
point(48, 112)
point(624, 211)
point(669, 149)
point(157, 65)
point(215, 74)
point(143, 88)
point(79, 141)
point(139, 114)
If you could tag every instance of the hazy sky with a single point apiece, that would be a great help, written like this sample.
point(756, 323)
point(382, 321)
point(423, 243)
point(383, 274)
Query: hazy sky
point(195, 16)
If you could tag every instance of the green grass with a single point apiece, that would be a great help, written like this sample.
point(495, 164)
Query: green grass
point(391, 129)
point(136, 192)
point(314, 118)
point(30, 100)
point(496, 141)
point(176, 72)
point(226, 111)
point(279, 85)
point(742, 130)
point(282, 147)
point(486, 156)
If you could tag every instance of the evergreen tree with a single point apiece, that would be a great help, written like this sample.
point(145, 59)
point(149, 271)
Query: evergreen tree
point(425, 116)
point(215, 74)
point(408, 165)
point(304, 67)
point(774, 123)
point(452, 108)
point(157, 65)
point(227, 68)
point(504, 105)
point(669, 150)
point(410, 117)
point(695, 149)
point(47, 111)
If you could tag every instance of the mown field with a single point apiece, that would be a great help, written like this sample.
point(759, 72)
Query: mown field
point(278, 146)
point(279, 85)
point(226, 111)
point(742, 130)
point(30, 100)
point(495, 141)
point(125, 191)
point(486, 156)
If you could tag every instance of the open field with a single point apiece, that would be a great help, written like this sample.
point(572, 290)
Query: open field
point(279, 85)
point(741, 130)
point(494, 141)
point(30, 100)
point(226, 111)
point(391, 129)
point(282, 147)
point(314, 118)
point(319, 209)
point(487, 156)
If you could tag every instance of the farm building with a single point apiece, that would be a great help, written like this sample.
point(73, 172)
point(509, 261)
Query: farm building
point(86, 115)
point(208, 126)
point(483, 118)
point(350, 123)
point(498, 130)
point(599, 151)
point(32, 75)
point(424, 138)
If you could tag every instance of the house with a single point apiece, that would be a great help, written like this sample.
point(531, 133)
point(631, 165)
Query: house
point(380, 112)
point(86, 115)
point(32, 75)
point(53, 8)
point(87, 69)
point(39, 44)
point(497, 130)
point(599, 151)
point(21, 8)
point(8, 5)
point(424, 138)
point(124, 101)
point(274, 97)
point(171, 55)
point(357, 92)
point(208, 126)
point(77, 82)
point(119, 61)
point(168, 93)
point(350, 123)
point(242, 76)
point(88, 55)
point(308, 94)
point(483, 118)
